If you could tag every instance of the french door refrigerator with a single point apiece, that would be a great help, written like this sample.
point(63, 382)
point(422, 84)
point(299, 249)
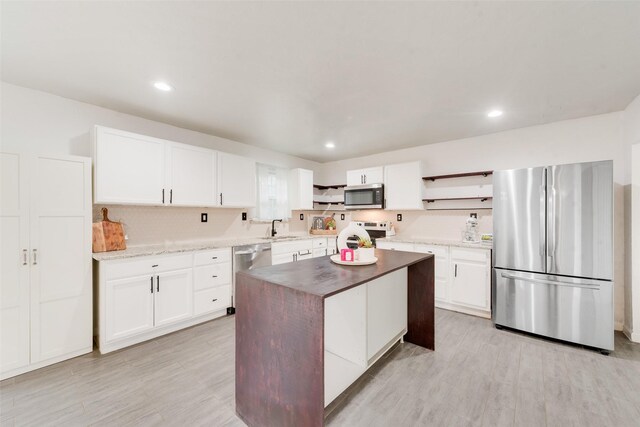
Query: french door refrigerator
point(553, 252)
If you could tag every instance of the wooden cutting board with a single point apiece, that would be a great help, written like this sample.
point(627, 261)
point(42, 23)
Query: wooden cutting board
point(108, 235)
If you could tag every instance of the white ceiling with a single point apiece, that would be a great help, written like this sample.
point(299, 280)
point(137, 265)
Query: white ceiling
point(372, 77)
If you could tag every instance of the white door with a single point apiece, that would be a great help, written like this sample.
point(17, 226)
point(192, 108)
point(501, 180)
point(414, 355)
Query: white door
point(355, 177)
point(129, 168)
point(470, 284)
point(60, 234)
point(386, 310)
point(373, 175)
point(129, 305)
point(173, 296)
point(441, 265)
point(14, 262)
point(191, 173)
point(403, 186)
point(283, 258)
point(301, 189)
point(236, 181)
point(319, 252)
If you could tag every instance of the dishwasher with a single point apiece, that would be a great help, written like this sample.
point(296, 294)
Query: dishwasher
point(248, 257)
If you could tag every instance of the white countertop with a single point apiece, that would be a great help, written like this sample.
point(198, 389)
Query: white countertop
point(423, 240)
point(190, 246)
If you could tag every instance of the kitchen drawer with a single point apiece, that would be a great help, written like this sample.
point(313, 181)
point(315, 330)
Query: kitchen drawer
point(395, 246)
point(146, 265)
point(213, 256)
point(210, 300)
point(469, 254)
point(208, 276)
point(439, 251)
point(319, 243)
point(282, 258)
point(297, 246)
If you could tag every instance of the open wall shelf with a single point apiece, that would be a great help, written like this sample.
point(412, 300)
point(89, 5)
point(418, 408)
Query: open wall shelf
point(457, 175)
point(482, 199)
point(327, 187)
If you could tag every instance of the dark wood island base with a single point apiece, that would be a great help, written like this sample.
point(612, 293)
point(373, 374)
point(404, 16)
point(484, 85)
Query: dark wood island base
point(280, 343)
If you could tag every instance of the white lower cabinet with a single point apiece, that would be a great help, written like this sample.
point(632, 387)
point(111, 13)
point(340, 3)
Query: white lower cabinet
point(462, 275)
point(471, 279)
point(361, 324)
point(142, 298)
point(291, 251)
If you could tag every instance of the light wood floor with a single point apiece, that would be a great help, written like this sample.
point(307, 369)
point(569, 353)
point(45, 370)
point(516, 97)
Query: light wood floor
point(477, 376)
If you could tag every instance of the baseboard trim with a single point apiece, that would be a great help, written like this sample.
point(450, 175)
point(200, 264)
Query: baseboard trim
point(44, 363)
point(635, 337)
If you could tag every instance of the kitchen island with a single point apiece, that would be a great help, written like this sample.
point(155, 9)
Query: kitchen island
point(305, 331)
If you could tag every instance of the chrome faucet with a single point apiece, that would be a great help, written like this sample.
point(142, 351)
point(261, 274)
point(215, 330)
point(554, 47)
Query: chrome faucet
point(273, 227)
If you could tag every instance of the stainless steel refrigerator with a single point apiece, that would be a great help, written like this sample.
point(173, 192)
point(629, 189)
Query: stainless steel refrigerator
point(553, 252)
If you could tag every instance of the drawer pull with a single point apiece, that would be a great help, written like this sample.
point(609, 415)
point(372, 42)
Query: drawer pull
point(214, 276)
point(155, 265)
point(214, 257)
point(214, 300)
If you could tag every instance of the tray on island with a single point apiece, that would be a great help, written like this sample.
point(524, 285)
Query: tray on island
point(337, 260)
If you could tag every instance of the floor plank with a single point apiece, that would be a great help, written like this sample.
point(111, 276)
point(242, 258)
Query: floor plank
point(478, 375)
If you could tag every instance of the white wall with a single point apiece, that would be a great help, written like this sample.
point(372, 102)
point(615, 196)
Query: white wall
point(39, 122)
point(34, 121)
point(631, 134)
point(586, 139)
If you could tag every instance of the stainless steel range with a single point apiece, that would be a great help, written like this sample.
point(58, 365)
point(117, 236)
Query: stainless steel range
point(376, 229)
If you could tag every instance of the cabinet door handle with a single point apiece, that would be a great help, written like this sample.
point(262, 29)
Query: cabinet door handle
point(171, 196)
point(365, 179)
point(25, 261)
point(214, 257)
point(35, 257)
point(214, 276)
point(157, 283)
point(154, 265)
point(455, 273)
point(163, 196)
point(220, 199)
point(214, 300)
point(151, 284)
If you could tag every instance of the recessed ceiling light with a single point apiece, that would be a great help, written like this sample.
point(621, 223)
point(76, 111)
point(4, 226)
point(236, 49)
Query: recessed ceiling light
point(163, 86)
point(330, 145)
point(494, 113)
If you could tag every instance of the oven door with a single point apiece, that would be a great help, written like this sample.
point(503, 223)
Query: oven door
point(364, 197)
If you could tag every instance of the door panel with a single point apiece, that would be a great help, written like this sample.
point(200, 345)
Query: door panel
point(580, 220)
point(519, 219)
point(236, 180)
point(386, 310)
point(192, 176)
point(60, 235)
point(14, 263)
point(569, 309)
point(129, 168)
point(469, 284)
point(130, 305)
point(173, 296)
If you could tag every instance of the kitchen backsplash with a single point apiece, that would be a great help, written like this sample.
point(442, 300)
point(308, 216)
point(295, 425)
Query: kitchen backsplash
point(158, 224)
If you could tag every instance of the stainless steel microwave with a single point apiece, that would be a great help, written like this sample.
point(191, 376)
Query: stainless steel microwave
point(369, 196)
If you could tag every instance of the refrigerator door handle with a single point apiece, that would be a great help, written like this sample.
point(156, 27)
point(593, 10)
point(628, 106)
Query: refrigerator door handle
point(551, 237)
point(550, 282)
point(543, 218)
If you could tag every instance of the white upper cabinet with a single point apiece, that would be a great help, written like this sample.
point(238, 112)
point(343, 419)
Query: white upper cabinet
point(365, 176)
point(236, 181)
point(191, 173)
point(132, 169)
point(403, 186)
point(129, 168)
point(300, 189)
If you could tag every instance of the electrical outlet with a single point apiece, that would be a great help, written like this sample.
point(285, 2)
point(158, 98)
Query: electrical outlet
point(342, 217)
point(204, 217)
point(399, 217)
point(474, 215)
point(244, 216)
point(301, 217)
